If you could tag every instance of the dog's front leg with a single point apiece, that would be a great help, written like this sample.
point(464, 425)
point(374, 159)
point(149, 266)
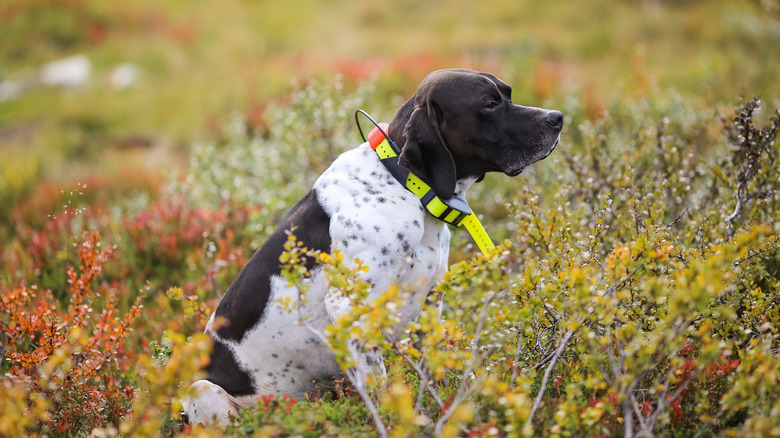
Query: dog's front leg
point(366, 362)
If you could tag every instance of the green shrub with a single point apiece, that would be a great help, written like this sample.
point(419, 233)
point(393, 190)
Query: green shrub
point(633, 301)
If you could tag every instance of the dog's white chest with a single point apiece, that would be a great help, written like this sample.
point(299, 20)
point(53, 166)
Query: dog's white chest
point(377, 220)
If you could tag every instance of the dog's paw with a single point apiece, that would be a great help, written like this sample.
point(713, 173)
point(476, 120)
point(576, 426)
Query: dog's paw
point(207, 403)
point(375, 364)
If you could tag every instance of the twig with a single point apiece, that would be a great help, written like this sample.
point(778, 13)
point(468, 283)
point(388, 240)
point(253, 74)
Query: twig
point(677, 219)
point(737, 208)
point(707, 424)
point(638, 413)
point(464, 383)
point(356, 375)
point(3, 350)
point(422, 374)
point(756, 253)
point(566, 338)
point(519, 346)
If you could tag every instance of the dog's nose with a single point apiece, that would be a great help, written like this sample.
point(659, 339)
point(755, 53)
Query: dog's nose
point(555, 119)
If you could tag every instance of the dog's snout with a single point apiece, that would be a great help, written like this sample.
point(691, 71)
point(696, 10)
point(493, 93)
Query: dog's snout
point(555, 119)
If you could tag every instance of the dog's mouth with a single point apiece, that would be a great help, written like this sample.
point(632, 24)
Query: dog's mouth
point(515, 171)
point(555, 145)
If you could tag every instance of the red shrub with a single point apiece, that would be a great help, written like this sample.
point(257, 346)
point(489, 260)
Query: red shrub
point(88, 389)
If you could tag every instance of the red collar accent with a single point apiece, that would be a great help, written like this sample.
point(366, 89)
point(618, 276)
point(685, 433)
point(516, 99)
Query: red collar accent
point(375, 137)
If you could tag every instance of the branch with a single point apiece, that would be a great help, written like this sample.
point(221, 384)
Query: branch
point(356, 375)
point(464, 383)
point(3, 350)
point(677, 219)
point(755, 254)
point(638, 413)
point(519, 346)
point(422, 374)
point(737, 208)
point(566, 338)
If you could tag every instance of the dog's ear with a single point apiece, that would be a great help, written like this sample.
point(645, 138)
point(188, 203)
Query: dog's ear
point(423, 150)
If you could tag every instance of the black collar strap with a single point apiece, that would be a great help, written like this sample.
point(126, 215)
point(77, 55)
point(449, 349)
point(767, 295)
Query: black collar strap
point(454, 211)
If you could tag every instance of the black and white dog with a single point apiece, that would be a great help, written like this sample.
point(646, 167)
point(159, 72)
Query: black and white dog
point(459, 125)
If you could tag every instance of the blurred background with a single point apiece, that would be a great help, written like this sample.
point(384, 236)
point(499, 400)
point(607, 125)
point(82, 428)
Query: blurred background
point(117, 91)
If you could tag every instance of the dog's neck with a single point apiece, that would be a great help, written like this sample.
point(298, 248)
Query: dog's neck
point(463, 184)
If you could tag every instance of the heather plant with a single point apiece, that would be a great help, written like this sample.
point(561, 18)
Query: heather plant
point(69, 363)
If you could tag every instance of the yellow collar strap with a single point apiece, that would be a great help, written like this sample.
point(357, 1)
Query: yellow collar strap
point(454, 211)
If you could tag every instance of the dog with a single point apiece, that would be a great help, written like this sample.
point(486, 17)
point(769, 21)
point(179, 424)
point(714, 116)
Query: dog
point(459, 125)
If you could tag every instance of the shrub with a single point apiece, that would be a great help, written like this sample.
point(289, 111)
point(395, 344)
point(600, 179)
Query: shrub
point(632, 304)
point(71, 362)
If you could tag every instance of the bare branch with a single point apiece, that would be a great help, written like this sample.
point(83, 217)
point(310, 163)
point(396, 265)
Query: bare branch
point(357, 376)
point(519, 345)
point(464, 387)
point(566, 338)
point(677, 219)
point(422, 374)
point(730, 218)
point(638, 413)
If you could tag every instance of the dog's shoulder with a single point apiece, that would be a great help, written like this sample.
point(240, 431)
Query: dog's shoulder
point(372, 216)
point(357, 180)
point(361, 197)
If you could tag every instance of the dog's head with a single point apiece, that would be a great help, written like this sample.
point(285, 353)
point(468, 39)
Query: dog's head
point(462, 124)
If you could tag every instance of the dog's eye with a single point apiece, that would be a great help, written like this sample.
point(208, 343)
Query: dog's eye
point(490, 104)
